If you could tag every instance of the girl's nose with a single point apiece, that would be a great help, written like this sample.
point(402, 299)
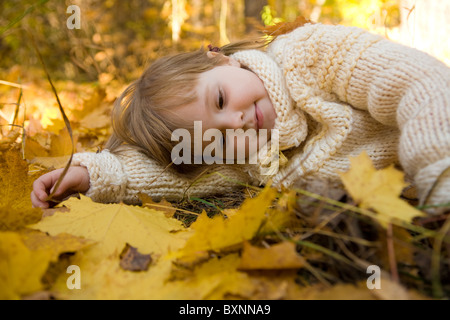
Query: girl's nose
point(236, 120)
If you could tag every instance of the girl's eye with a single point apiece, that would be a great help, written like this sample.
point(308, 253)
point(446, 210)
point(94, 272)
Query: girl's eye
point(220, 102)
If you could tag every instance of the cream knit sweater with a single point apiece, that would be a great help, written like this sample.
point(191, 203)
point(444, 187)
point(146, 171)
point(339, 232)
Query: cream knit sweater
point(337, 91)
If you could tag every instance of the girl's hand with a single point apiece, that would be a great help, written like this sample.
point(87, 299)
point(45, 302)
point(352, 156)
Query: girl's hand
point(76, 180)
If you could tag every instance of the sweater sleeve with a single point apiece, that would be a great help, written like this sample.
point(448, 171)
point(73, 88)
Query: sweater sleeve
point(399, 86)
point(122, 176)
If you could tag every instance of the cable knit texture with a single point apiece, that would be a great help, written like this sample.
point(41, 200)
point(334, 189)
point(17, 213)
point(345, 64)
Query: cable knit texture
point(122, 176)
point(337, 91)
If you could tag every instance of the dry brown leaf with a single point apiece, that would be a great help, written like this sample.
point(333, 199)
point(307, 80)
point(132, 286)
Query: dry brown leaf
point(132, 260)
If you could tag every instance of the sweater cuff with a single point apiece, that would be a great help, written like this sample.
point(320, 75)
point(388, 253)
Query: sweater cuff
point(106, 176)
point(433, 183)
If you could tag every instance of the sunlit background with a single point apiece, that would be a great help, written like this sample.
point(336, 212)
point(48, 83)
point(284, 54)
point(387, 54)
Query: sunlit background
point(119, 39)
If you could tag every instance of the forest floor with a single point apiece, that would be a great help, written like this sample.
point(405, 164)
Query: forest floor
point(256, 243)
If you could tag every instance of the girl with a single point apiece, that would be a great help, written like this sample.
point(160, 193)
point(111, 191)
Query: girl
point(330, 91)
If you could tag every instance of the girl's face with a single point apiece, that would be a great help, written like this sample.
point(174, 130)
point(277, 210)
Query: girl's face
point(230, 97)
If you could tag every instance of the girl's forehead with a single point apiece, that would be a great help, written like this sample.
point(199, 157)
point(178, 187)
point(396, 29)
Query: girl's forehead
point(186, 113)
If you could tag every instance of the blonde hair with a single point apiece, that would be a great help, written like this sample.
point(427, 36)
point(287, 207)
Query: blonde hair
point(139, 116)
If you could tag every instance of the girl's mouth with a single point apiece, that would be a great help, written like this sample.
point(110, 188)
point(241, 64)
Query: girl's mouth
point(259, 117)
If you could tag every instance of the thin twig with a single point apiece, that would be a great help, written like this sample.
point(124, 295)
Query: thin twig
point(391, 253)
point(66, 120)
point(169, 207)
point(435, 260)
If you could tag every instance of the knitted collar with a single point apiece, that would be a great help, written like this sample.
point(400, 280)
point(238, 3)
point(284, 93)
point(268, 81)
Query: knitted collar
point(290, 121)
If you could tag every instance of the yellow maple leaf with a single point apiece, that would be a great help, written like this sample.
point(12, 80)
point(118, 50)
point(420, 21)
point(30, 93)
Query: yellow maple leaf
point(218, 233)
point(211, 280)
point(36, 240)
point(55, 155)
point(106, 280)
point(33, 149)
point(16, 210)
point(96, 119)
point(21, 269)
point(279, 256)
point(114, 225)
point(220, 278)
point(61, 144)
point(378, 190)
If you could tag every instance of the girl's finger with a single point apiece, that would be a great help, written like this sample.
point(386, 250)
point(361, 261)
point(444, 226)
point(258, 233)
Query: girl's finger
point(40, 189)
point(38, 203)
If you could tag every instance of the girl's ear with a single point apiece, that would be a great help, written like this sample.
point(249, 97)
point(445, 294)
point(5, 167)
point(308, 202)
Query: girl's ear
point(228, 60)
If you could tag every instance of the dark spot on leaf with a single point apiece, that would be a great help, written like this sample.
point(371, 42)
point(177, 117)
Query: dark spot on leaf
point(132, 260)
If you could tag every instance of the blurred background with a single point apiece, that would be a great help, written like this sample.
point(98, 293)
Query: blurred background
point(117, 40)
point(120, 38)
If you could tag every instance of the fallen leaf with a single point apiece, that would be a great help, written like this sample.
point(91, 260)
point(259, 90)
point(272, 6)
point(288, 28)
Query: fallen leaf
point(21, 269)
point(51, 162)
point(54, 155)
point(61, 144)
point(90, 103)
point(220, 278)
point(96, 119)
point(279, 256)
point(282, 215)
point(378, 190)
point(34, 149)
point(163, 206)
point(61, 243)
point(210, 280)
point(218, 233)
point(16, 210)
point(114, 225)
point(132, 260)
point(106, 280)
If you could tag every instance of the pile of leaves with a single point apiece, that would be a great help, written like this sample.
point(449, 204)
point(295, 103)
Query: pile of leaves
point(257, 243)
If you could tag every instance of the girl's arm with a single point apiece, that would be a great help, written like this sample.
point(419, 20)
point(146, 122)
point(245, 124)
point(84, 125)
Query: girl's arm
point(121, 177)
point(399, 86)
